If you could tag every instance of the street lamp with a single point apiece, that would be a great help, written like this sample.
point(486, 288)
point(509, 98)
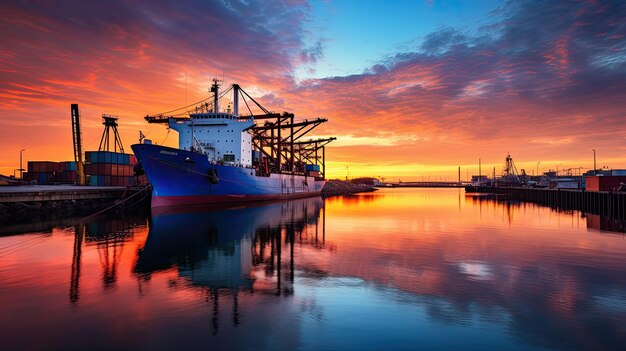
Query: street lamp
point(538, 167)
point(21, 168)
point(594, 161)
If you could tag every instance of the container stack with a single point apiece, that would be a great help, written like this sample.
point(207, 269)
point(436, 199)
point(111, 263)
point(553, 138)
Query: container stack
point(67, 172)
point(42, 172)
point(312, 170)
point(50, 172)
point(105, 168)
point(102, 168)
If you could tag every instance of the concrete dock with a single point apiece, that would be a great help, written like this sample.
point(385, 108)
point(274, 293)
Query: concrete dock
point(43, 193)
point(27, 203)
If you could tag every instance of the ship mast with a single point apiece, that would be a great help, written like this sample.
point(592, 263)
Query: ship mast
point(215, 90)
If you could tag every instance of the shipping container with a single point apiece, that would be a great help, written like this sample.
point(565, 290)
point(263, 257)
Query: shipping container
point(310, 167)
point(66, 177)
point(43, 166)
point(604, 183)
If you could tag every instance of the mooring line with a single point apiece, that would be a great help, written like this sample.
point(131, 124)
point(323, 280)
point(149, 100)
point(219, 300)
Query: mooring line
point(117, 203)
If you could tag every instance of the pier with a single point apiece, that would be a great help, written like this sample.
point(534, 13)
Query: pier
point(427, 185)
point(44, 193)
point(24, 203)
point(605, 203)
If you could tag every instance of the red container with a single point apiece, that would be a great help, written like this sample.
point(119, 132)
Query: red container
point(133, 160)
point(43, 166)
point(68, 176)
point(104, 169)
point(604, 183)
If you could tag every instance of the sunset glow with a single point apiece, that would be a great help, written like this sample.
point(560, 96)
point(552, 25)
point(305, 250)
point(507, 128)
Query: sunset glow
point(411, 89)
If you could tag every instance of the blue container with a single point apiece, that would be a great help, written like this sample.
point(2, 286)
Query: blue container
point(315, 168)
point(70, 166)
point(93, 180)
point(126, 159)
point(108, 157)
point(87, 156)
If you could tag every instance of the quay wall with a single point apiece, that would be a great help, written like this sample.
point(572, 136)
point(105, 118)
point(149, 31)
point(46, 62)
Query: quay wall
point(26, 203)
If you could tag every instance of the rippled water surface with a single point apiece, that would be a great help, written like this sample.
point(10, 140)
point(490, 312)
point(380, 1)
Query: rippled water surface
point(394, 269)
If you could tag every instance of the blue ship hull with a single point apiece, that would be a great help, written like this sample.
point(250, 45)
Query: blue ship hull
point(180, 177)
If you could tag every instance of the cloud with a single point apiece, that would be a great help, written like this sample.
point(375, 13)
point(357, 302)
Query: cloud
point(536, 72)
point(132, 59)
point(541, 78)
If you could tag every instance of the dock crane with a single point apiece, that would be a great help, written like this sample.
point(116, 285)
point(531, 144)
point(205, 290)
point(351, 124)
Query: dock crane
point(110, 126)
point(78, 145)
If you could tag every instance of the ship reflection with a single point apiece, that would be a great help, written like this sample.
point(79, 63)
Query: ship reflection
point(220, 251)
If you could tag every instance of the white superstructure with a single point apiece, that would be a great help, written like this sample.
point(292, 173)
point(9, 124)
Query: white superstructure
point(221, 136)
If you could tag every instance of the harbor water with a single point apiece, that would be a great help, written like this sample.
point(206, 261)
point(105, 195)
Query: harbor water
point(403, 268)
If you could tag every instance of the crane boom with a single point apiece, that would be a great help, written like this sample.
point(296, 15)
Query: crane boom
point(78, 145)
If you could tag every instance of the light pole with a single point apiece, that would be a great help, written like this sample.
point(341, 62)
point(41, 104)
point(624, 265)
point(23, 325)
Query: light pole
point(538, 167)
point(21, 168)
point(594, 161)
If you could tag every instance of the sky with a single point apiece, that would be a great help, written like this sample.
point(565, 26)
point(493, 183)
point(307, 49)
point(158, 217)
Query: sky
point(412, 89)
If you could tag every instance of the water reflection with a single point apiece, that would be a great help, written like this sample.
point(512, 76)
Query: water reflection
point(220, 251)
point(398, 268)
point(108, 236)
point(593, 221)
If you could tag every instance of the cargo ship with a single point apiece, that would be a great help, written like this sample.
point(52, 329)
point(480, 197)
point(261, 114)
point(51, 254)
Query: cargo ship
point(224, 157)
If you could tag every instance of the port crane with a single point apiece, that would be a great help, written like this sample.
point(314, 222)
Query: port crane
point(110, 125)
point(78, 145)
